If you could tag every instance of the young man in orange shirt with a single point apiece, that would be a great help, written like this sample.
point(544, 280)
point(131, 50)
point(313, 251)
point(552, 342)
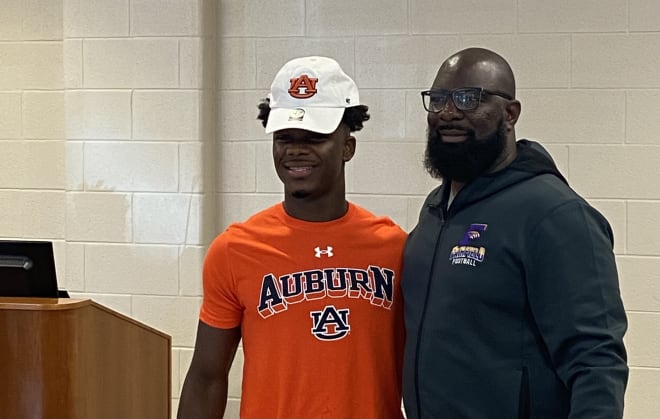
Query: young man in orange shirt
point(311, 285)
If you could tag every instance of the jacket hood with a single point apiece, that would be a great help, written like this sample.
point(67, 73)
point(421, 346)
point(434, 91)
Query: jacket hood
point(531, 160)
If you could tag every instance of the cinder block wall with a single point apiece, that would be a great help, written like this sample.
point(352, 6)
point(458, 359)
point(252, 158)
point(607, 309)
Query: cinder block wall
point(128, 132)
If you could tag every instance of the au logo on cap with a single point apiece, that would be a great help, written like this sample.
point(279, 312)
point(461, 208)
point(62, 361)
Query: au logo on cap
point(303, 87)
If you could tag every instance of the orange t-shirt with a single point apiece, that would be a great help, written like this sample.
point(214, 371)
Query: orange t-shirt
point(320, 310)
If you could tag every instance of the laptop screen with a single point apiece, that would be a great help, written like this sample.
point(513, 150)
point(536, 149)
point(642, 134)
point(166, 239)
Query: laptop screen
point(27, 269)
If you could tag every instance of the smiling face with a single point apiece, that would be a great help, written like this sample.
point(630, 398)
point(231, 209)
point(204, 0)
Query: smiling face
point(463, 144)
point(311, 165)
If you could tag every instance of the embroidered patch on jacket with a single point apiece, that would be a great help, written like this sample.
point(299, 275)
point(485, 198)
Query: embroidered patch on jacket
point(466, 252)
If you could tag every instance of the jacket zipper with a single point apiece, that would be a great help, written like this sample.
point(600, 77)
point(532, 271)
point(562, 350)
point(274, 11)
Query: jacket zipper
point(441, 213)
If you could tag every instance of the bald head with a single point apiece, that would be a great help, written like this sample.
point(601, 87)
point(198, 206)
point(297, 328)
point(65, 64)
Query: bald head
point(476, 67)
point(467, 141)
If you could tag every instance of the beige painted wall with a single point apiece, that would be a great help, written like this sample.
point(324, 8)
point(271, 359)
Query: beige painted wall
point(128, 132)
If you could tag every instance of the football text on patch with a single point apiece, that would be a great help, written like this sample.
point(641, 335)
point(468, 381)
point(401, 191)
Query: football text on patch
point(466, 253)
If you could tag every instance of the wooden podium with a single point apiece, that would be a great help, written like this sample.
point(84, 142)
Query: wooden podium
point(74, 358)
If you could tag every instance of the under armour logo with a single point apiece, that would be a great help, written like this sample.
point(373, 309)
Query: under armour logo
point(330, 324)
point(327, 251)
point(303, 87)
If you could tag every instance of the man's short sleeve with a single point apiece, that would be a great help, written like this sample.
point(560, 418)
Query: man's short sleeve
point(221, 306)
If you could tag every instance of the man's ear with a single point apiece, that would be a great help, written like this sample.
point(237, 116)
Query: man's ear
point(512, 112)
point(349, 148)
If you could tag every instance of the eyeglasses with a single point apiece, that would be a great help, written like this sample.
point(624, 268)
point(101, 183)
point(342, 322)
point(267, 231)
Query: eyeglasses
point(465, 98)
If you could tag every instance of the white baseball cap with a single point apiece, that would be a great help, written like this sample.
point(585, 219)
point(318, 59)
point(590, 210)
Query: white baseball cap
point(310, 93)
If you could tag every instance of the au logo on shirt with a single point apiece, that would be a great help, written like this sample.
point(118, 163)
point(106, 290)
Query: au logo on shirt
point(330, 323)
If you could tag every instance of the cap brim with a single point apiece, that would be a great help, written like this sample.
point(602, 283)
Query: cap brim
point(321, 120)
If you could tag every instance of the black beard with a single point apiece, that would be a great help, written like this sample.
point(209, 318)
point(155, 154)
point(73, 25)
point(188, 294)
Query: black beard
point(466, 160)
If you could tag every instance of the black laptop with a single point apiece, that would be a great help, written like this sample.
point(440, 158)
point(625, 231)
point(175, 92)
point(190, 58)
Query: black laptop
point(27, 269)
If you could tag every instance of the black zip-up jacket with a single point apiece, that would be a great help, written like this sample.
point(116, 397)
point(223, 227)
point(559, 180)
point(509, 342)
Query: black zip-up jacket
point(512, 302)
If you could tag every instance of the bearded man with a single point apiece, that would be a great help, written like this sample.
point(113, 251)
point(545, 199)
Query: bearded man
point(511, 297)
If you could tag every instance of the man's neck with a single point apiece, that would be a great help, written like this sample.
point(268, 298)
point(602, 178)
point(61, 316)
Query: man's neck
point(456, 187)
point(316, 209)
